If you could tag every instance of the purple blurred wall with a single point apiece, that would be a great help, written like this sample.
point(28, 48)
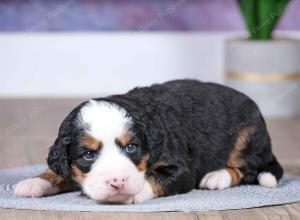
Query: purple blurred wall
point(132, 15)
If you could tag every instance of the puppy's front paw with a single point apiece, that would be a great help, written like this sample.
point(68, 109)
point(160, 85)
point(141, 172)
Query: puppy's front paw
point(34, 187)
point(219, 179)
point(145, 194)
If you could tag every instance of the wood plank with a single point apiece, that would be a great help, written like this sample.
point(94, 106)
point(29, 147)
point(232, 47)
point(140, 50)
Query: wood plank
point(289, 212)
point(8, 214)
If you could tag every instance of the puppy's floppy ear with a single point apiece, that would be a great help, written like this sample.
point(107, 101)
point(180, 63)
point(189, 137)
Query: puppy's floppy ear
point(58, 157)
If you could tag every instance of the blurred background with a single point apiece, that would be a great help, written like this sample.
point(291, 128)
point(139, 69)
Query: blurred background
point(56, 53)
point(71, 48)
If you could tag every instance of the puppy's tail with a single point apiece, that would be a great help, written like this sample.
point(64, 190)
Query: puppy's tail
point(270, 174)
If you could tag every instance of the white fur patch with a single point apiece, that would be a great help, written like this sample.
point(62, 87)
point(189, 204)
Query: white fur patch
point(219, 179)
point(267, 180)
point(146, 193)
point(106, 122)
point(35, 187)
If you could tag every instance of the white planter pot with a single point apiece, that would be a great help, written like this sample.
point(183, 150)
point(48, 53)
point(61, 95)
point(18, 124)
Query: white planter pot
point(268, 72)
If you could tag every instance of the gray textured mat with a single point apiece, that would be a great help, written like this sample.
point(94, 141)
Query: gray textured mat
point(288, 191)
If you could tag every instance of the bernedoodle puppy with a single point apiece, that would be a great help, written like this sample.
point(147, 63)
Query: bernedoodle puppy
point(158, 141)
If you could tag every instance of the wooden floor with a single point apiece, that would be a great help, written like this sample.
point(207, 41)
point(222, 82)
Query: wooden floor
point(28, 127)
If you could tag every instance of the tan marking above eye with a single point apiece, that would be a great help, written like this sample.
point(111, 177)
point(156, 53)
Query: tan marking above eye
point(125, 138)
point(92, 143)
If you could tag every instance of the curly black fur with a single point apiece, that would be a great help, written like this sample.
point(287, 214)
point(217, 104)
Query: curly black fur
point(190, 127)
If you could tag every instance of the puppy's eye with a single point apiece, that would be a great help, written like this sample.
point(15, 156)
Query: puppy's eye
point(89, 155)
point(130, 148)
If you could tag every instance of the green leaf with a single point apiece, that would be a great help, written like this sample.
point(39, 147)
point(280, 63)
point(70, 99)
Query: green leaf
point(261, 16)
point(247, 8)
point(265, 9)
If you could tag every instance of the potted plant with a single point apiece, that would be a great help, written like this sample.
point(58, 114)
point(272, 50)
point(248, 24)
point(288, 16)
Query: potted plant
point(262, 66)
